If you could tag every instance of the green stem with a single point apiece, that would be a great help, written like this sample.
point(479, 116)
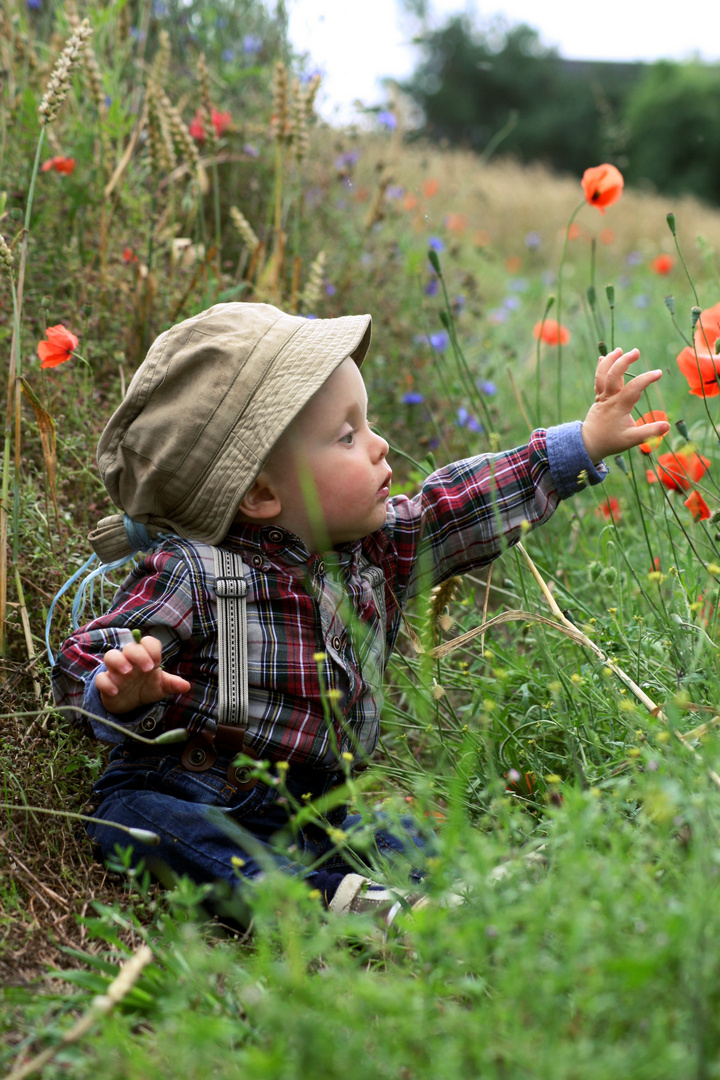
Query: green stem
point(574, 214)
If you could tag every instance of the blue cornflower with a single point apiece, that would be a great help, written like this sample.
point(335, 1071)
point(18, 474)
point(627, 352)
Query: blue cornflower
point(466, 419)
point(486, 387)
point(633, 258)
point(412, 398)
point(440, 341)
point(387, 119)
point(34, 5)
point(436, 243)
point(511, 303)
point(533, 239)
point(250, 150)
point(330, 289)
point(432, 287)
point(228, 55)
point(252, 44)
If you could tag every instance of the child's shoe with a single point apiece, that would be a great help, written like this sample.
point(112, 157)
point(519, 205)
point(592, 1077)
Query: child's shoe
point(360, 895)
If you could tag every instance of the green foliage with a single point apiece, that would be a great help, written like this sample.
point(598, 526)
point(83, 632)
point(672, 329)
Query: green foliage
point(674, 141)
point(474, 86)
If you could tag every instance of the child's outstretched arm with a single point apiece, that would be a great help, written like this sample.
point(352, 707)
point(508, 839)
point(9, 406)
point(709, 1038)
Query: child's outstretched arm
point(609, 427)
point(134, 677)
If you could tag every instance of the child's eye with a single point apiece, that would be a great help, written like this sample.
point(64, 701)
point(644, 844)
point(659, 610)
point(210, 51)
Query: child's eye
point(348, 438)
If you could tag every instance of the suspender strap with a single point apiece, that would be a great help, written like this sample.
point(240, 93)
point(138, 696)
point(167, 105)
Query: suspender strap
point(231, 591)
point(376, 579)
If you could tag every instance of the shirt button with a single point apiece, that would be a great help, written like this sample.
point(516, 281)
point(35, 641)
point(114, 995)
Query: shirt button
point(275, 536)
point(257, 561)
point(336, 643)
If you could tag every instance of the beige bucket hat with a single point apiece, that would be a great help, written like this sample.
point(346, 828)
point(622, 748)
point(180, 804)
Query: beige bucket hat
point(203, 411)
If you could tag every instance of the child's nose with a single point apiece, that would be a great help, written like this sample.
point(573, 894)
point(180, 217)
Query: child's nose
point(380, 447)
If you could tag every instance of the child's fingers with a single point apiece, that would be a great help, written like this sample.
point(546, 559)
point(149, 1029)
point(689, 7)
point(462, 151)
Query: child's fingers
point(617, 370)
point(173, 684)
point(633, 390)
point(647, 431)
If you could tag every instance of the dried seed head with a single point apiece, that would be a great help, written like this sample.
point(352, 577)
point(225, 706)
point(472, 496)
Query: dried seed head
point(440, 597)
point(244, 227)
point(161, 62)
point(206, 104)
point(6, 257)
point(313, 287)
point(59, 83)
point(162, 157)
point(298, 122)
point(280, 122)
point(182, 139)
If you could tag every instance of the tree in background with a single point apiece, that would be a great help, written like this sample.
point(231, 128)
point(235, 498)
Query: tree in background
point(473, 85)
point(500, 87)
point(672, 117)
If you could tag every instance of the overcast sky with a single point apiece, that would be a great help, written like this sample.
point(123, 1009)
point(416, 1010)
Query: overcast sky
point(354, 43)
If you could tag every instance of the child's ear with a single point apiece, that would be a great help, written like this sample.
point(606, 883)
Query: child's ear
point(261, 501)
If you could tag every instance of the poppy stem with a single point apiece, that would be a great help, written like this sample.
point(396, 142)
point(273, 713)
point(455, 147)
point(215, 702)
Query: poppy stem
point(563, 256)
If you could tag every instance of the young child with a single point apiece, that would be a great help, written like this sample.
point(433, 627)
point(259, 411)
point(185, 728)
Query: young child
point(247, 428)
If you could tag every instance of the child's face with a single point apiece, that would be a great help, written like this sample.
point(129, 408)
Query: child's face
point(330, 468)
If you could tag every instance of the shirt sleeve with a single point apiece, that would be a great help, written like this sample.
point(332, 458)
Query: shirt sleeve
point(156, 598)
point(468, 513)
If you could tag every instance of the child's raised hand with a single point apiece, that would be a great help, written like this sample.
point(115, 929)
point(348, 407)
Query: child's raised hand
point(609, 427)
point(134, 677)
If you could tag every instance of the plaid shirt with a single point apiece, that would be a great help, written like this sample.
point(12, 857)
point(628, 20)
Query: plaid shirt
point(312, 622)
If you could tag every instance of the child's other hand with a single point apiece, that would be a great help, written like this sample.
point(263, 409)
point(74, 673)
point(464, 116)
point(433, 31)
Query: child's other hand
point(609, 427)
point(134, 677)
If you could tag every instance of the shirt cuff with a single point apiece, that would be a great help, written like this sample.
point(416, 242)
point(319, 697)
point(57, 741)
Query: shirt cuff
point(570, 466)
point(93, 704)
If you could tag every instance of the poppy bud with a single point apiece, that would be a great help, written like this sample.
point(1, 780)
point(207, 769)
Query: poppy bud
point(610, 293)
point(16, 213)
point(670, 218)
point(46, 302)
point(670, 304)
point(695, 314)
point(602, 348)
point(621, 464)
point(717, 346)
point(682, 428)
point(591, 295)
point(445, 319)
point(434, 261)
point(87, 310)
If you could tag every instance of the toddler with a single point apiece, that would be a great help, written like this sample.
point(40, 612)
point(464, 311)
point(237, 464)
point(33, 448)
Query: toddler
point(270, 597)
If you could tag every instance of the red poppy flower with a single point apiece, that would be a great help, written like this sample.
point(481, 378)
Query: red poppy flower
point(663, 264)
point(697, 506)
point(609, 509)
point(607, 236)
point(707, 330)
point(410, 202)
point(220, 121)
point(58, 348)
point(679, 471)
point(429, 188)
point(702, 372)
point(650, 418)
point(551, 332)
point(457, 223)
point(603, 185)
point(64, 165)
point(129, 256)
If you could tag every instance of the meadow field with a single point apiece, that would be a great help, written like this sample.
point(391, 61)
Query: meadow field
point(566, 755)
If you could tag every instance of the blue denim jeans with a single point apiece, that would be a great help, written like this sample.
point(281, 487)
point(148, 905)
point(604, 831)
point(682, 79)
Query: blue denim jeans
point(213, 832)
